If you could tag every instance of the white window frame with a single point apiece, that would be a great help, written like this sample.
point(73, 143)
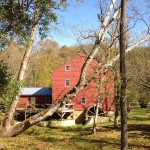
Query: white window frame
point(83, 98)
point(66, 83)
point(67, 68)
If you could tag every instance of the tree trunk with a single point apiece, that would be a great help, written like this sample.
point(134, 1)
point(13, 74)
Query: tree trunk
point(13, 105)
point(18, 128)
point(95, 118)
point(116, 99)
point(116, 119)
point(123, 102)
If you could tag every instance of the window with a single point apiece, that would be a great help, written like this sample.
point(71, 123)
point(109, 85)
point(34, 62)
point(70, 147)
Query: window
point(33, 100)
point(65, 107)
point(67, 68)
point(67, 83)
point(47, 100)
point(83, 100)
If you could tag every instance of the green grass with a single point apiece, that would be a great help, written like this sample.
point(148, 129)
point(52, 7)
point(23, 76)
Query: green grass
point(79, 137)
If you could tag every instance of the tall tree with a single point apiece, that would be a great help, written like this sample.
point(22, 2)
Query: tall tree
point(22, 18)
point(123, 102)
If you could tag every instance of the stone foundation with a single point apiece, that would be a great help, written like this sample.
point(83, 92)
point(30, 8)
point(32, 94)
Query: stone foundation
point(99, 120)
point(79, 118)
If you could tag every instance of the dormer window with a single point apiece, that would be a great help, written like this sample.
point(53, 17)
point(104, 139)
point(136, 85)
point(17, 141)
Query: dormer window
point(67, 83)
point(67, 68)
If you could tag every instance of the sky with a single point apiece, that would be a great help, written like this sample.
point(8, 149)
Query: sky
point(80, 17)
point(75, 18)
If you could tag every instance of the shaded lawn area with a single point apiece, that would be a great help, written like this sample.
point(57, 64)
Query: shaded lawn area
point(79, 137)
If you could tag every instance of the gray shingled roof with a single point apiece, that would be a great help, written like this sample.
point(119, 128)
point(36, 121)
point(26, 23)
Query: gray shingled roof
point(36, 91)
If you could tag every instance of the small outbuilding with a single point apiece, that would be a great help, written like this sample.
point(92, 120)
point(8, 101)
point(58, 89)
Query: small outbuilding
point(39, 97)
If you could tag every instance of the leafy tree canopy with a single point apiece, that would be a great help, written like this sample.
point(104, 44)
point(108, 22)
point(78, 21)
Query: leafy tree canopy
point(4, 77)
point(17, 18)
point(8, 87)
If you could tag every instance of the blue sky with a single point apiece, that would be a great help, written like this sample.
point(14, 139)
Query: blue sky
point(75, 18)
point(82, 16)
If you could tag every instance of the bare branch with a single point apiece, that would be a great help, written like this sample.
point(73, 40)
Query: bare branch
point(112, 61)
point(105, 27)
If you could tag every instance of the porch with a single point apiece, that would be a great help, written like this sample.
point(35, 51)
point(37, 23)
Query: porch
point(31, 109)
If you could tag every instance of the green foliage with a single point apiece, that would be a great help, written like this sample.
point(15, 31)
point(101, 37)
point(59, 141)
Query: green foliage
point(143, 101)
point(138, 77)
point(17, 18)
point(8, 88)
point(10, 93)
point(5, 77)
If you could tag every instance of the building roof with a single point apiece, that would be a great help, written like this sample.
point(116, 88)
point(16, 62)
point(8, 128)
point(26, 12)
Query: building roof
point(36, 91)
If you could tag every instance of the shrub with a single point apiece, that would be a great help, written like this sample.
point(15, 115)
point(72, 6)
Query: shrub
point(143, 102)
point(8, 87)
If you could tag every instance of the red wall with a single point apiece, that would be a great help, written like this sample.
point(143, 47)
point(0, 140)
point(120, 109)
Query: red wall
point(90, 92)
point(25, 101)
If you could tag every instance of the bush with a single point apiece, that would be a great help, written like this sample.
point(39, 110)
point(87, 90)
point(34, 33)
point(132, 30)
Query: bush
point(8, 87)
point(143, 102)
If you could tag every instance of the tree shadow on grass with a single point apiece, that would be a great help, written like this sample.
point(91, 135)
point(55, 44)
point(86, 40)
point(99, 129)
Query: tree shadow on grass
point(145, 128)
point(79, 142)
point(37, 130)
point(80, 138)
point(135, 118)
point(98, 143)
point(131, 146)
point(48, 139)
point(72, 129)
point(139, 131)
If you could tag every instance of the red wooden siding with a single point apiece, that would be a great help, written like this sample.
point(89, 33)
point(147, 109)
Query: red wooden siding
point(90, 92)
point(23, 102)
point(26, 100)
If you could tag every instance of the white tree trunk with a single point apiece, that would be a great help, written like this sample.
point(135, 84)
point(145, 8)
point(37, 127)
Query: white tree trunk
point(13, 105)
point(95, 118)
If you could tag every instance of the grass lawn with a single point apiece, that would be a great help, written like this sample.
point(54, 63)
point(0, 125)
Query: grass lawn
point(79, 138)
